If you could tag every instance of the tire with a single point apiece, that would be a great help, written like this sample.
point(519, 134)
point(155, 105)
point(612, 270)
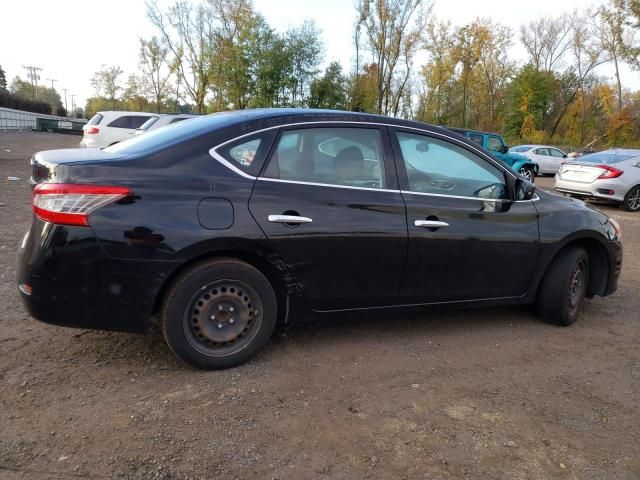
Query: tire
point(631, 202)
point(564, 287)
point(218, 313)
point(529, 173)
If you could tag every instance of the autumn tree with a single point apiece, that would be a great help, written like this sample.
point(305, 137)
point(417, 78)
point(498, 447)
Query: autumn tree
point(156, 68)
point(393, 30)
point(3, 81)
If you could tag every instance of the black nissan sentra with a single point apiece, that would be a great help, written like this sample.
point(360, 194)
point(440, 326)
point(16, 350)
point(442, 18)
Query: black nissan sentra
point(227, 224)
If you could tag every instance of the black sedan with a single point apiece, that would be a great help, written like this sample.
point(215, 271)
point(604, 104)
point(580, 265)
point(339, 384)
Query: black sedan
point(228, 224)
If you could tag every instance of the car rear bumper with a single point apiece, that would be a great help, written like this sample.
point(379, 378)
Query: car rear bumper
point(598, 190)
point(65, 278)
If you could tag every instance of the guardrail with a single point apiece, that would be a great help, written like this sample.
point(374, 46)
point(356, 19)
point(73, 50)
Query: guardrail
point(11, 119)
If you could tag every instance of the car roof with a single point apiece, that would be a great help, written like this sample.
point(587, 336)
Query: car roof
point(120, 112)
point(622, 151)
point(468, 130)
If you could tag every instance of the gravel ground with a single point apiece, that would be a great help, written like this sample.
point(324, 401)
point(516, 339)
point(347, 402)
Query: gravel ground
point(492, 393)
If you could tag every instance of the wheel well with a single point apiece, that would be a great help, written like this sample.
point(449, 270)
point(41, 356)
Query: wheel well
point(598, 264)
point(256, 261)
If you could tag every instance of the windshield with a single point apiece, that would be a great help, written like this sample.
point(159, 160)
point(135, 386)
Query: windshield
point(163, 137)
point(605, 158)
point(521, 148)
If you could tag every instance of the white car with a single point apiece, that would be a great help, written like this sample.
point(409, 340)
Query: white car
point(612, 176)
point(548, 158)
point(106, 128)
point(163, 121)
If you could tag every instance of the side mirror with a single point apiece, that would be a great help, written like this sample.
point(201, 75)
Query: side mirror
point(564, 155)
point(525, 190)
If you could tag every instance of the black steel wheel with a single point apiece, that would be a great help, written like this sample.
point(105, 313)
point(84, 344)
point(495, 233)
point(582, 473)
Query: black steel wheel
point(564, 287)
point(631, 201)
point(219, 313)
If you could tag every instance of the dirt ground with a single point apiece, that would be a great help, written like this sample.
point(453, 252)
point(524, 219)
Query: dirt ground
point(492, 393)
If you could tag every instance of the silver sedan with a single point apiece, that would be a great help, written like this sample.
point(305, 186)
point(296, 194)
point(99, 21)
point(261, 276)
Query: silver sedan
point(612, 175)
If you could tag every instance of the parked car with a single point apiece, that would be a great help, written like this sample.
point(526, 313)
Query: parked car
point(162, 121)
point(108, 128)
point(611, 176)
point(498, 148)
point(228, 224)
point(547, 158)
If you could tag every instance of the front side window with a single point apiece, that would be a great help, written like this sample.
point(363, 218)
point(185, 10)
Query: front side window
point(333, 156)
point(495, 144)
point(542, 151)
point(439, 167)
point(556, 153)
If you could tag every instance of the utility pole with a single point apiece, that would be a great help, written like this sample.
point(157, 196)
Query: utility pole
point(52, 80)
point(65, 100)
point(73, 104)
point(33, 76)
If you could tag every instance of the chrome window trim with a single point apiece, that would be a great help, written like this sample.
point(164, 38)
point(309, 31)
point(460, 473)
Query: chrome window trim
point(350, 122)
point(314, 184)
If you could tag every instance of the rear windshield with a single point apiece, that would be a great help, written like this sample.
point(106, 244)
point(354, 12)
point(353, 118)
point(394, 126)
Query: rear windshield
point(95, 120)
point(605, 158)
point(148, 123)
point(159, 138)
point(521, 148)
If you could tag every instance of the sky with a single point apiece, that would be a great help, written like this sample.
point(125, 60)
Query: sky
point(71, 39)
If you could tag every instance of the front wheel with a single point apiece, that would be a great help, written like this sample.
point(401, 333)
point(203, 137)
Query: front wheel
point(219, 313)
point(631, 201)
point(528, 173)
point(564, 287)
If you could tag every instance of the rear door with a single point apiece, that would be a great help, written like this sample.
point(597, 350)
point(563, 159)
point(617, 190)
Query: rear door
point(467, 240)
point(329, 205)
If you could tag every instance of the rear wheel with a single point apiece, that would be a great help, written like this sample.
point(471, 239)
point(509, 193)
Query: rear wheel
point(564, 287)
point(631, 201)
point(219, 313)
point(528, 173)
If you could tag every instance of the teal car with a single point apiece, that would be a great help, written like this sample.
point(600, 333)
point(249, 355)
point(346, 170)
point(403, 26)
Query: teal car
point(494, 143)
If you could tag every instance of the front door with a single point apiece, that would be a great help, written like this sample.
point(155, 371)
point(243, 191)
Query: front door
point(467, 240)
point(329, 205)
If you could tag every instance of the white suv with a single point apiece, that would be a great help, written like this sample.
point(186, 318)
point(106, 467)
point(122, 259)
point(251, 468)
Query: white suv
point(106, 128)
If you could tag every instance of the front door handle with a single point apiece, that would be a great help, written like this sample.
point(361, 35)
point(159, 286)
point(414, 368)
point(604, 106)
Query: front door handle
point(289, 219)
point(430, 223)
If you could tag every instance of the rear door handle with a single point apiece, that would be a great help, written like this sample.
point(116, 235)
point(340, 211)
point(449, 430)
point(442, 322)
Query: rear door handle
point(289, 219)
point(430, 224)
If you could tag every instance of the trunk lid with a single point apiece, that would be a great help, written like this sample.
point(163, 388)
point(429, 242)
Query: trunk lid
point(580, 173)
point(44, 163)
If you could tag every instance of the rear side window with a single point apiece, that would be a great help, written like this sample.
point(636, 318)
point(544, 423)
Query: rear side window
point(542, 151)
point(95, 120)
point(129, 121)
point(331, 156)
point(556, 153)
point(475, 138)
point(248, 153)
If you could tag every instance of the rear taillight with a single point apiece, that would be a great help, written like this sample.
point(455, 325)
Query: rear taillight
point(609, 172)
point(92, 130)
point(71, 204)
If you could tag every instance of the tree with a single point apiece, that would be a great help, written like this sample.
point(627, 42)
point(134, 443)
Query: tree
point(329, 91)
point(188, 31)
point(26, 91)
point(393, 30)
point(155, 66)
point(609, 27)
point(305, 50)
point(106, 82)
point(546, 40)
point(3, 81)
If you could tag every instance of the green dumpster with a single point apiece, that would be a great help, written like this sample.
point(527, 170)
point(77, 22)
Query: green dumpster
point(62, 125)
